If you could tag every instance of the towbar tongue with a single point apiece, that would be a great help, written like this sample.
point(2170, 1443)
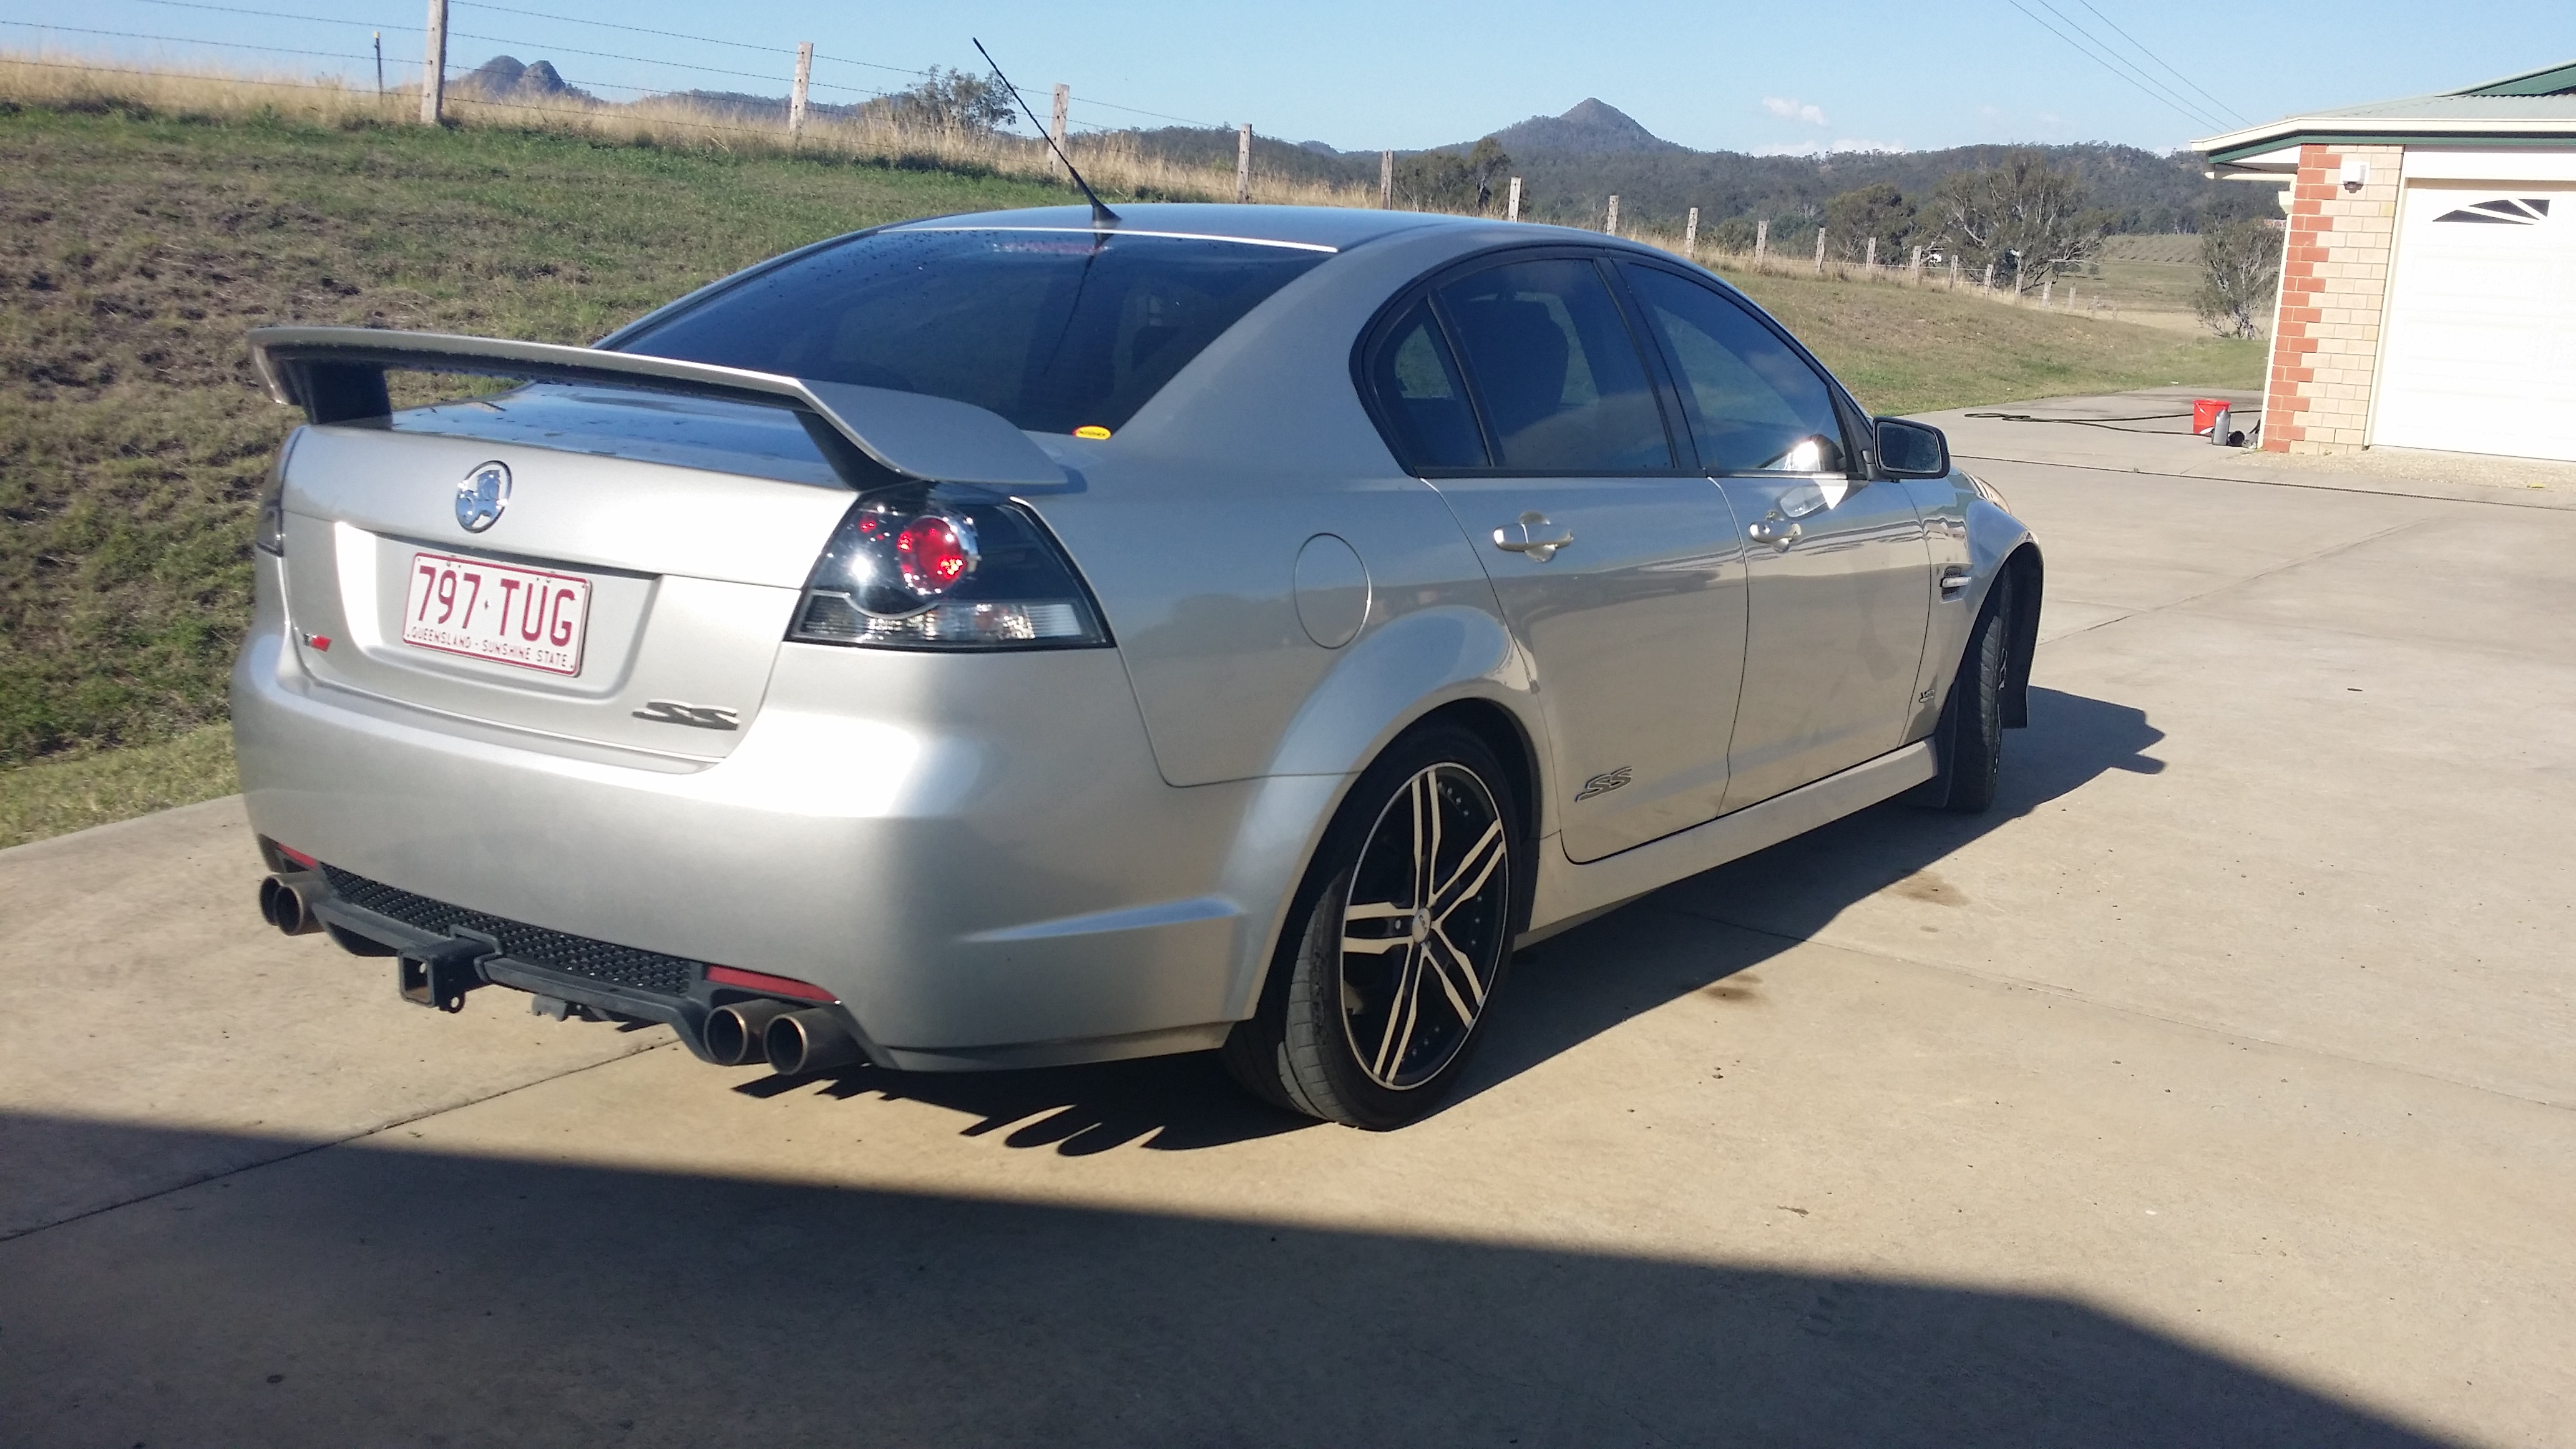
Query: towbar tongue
point(439, 975)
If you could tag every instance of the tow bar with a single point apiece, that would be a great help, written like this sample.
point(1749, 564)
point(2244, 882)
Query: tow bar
point(439, 975)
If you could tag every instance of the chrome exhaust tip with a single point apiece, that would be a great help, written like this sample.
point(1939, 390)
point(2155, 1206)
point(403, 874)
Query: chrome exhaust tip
point(812, 1040)
point(284, 902)
point(736, 1035)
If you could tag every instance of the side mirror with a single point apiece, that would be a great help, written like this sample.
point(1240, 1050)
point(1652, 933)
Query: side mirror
point(1912, 450)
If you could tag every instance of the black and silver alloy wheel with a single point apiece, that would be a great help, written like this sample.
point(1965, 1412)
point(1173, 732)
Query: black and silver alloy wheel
point(1422, 927)
point(1400, 939)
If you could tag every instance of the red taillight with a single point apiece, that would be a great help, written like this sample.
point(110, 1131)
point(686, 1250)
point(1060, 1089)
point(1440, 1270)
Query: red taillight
point(932, 553)
point(772, 985)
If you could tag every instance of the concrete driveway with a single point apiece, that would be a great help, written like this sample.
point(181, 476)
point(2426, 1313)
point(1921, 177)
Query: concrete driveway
point(2216, 1089)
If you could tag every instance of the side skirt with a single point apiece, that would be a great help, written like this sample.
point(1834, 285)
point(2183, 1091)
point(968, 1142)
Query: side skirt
point(1569, 894)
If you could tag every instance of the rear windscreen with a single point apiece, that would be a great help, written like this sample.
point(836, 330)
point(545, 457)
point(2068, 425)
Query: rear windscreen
point(1053, 330)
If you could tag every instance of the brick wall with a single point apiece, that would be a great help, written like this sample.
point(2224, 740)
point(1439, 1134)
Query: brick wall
point(2334, 287)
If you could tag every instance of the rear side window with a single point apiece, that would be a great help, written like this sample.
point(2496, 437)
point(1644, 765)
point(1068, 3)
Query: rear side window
point(1053, 330)
point(1556, 369)
point(1421, 396)
point(1754, 405)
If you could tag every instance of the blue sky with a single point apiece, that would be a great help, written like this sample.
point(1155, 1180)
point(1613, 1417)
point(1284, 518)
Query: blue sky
point(1362, 75)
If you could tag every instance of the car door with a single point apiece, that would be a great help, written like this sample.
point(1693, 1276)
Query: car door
point(1619, 569)
point(1839, 568)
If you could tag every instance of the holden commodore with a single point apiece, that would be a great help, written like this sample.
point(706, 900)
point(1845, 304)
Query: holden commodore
point(1051, 636)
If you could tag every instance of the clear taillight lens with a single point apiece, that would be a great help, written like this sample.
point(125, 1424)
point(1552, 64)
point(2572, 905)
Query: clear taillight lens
point(941, 568)
point(268, 532)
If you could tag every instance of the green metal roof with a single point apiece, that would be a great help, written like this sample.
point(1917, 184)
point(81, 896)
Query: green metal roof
point(2556, 80)
point(2536, 108)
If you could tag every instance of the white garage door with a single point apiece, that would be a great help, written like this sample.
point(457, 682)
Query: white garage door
point(2480, 351)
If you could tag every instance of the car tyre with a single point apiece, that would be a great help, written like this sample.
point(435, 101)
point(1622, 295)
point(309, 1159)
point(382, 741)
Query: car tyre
point(1970, 737)
point(1397, 942)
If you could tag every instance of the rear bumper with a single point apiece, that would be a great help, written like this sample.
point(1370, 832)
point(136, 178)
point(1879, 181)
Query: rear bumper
point(975, 854)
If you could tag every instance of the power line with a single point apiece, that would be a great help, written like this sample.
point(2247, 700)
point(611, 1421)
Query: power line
point(282, 15)
point(2162, 99)
point(614, 25)
point(2160, 60)
point(186, 40)
point(2202, 115)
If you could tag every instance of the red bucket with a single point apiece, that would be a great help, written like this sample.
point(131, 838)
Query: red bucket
point(2204, 413)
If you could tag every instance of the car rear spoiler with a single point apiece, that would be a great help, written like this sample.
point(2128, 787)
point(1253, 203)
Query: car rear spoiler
point(337, 375)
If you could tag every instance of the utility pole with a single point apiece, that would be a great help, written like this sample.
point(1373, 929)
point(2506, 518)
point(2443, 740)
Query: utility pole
point(1761, 238)
point(1612, 225)
point(796, 98)
point(1512, 208)
point(433, 66)
point(1690, 235)
point(1386, 181)
point(1055, 129)
point(1243, 163)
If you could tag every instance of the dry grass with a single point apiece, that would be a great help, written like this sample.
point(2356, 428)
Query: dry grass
point(1112, 163)
point(76, 791)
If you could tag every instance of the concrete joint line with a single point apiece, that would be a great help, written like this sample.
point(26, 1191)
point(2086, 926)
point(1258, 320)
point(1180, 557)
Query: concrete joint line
point(2227, 1033)
point(2270, 483)
point(310, 1148)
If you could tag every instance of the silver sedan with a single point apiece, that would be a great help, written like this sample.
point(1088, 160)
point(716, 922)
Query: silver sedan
point(1028, 638)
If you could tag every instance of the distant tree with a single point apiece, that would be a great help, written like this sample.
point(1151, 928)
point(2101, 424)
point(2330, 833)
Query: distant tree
point(2241, 270)
point(1880, 211)
point(949, 100)
point(2024, 215)
point(1453, 180)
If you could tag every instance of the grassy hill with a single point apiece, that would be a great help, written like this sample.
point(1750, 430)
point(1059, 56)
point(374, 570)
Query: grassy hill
point(135, 250)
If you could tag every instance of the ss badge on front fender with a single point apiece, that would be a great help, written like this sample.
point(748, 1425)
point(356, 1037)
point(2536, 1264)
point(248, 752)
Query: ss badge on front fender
point(1604, 783)
point(698, 716)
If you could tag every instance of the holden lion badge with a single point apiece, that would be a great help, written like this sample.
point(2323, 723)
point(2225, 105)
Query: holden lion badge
point(482, 496)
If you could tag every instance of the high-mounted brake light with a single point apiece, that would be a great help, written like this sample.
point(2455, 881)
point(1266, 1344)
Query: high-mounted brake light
point(945, 568)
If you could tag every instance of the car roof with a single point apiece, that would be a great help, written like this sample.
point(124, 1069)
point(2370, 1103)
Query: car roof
point(1337, 227)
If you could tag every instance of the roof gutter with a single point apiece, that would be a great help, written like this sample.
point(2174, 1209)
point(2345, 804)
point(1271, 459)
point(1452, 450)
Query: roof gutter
point(337, 375)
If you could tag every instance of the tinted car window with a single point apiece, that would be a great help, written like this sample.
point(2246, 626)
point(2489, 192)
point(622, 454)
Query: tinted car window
point(1556, 369)
point(1420, 396)
point(1754, 405)
point(1053, 330)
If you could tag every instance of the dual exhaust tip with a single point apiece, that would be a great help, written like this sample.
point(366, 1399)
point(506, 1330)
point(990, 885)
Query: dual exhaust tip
point(286, 902)
point(793, 1041)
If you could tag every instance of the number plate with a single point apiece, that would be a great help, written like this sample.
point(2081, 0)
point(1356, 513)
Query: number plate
point(484, 610)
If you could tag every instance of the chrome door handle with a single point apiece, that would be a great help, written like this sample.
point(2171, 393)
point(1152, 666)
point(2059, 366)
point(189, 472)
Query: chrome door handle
point(1955, 581)
point(1778, 531)
point(1518, 538)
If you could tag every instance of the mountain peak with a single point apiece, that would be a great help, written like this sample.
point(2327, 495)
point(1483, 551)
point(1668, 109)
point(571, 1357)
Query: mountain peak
point(1593, 127)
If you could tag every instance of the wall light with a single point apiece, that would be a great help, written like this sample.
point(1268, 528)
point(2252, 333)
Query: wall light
point(2356, 175)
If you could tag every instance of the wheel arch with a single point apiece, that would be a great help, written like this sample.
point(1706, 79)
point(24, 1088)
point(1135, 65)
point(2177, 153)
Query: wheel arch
point(2026, 574)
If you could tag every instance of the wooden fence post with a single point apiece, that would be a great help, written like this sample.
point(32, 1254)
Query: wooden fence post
point(1954, 271)
point(1243, 163)
point(1612, 225)
point(1869, 258)
point(796, 98)
point(433, 66)
point(1512, 207)
point(1690, 235)
point(2046, 286)
point(1914, 273)
point(1820, 251)
point(1761, 238)
point(1055, 130)
point(1990, 276)
point(1386, 181)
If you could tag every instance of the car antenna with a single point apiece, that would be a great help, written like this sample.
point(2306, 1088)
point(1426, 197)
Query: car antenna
point(1100, 214)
